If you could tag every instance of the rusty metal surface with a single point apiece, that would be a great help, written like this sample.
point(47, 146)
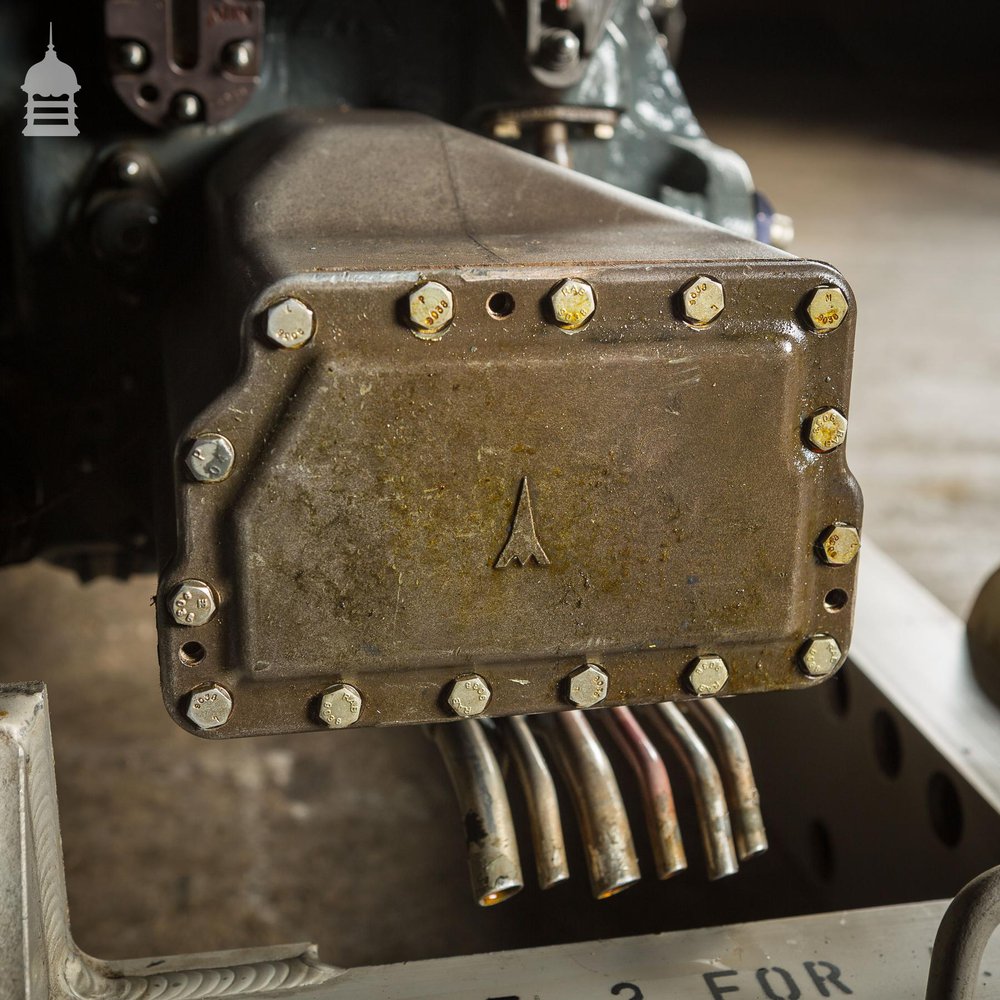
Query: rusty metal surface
point(539, 789)
point(706, 782)
point(654, 789)
point(597, 801)
point(736, 771)
point(490, 837)
point(670, 508)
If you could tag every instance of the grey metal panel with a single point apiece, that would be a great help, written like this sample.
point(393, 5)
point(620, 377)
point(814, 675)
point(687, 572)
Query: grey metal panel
point(914, 650)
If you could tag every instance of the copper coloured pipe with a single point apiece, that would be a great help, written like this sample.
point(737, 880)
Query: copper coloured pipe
point(654, 783)
point(737, 775)
point(709, 794)
point(607, 838)
point(494, 864)
point(543, 803)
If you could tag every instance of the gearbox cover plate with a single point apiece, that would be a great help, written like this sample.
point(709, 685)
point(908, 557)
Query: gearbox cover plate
point(514, 499)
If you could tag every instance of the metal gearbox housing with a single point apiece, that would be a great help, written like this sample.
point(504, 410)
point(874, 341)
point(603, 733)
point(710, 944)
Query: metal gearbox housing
point(647, 482)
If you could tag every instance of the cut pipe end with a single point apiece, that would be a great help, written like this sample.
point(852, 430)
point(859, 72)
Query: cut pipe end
point(606, 892)
point(500, 892)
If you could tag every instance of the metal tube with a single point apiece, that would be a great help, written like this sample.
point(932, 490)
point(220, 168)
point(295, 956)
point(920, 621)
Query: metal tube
point(654, 783)
point(607, 838)
point(737, 775)
point(964, 931)
point(494, 864)
point(543, 803)
point(709, 794)
point(553, 143)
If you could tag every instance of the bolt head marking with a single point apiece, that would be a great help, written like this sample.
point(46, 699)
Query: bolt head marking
point(839, 544)
point(703, 300)
point(192, 603)
point(469, 696)
point(707, 675)
point(820, 655)
point(573, 303)
point(587, 686)
point(826, 430)
point(431, 309)
point(210, 458)
point(210, 707)
point(290, 323)
point(340, 706)
point(826, 308)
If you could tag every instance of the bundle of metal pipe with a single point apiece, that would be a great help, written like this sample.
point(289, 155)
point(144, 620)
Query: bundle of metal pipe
point(718, 768)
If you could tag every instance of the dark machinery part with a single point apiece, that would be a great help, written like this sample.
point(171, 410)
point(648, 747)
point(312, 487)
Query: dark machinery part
point(420, 427)
point(90, 270)
point(422, 497)
point(184, 61)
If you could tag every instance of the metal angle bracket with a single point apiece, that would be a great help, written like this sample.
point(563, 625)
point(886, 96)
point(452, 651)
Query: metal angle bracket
point(39, 958)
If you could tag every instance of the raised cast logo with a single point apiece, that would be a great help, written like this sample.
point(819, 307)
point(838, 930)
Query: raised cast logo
point(522, 543)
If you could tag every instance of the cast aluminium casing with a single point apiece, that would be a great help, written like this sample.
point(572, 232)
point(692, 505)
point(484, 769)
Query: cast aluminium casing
point(378, 475)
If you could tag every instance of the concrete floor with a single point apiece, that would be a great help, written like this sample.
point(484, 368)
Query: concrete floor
point(173, 844)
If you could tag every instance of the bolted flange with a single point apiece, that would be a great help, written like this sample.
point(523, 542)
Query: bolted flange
point(469, 695)
point(826, 430)
point(192, 603)
point(587, 686)
point(290, 323)
point(707, 675)
point(820, 655)
point(210, 707)
point(210, 458)
point(826, 308)
point(838, 544)
point(340, 706)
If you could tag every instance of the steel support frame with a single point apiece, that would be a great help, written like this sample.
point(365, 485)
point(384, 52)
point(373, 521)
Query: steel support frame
point(905, 642)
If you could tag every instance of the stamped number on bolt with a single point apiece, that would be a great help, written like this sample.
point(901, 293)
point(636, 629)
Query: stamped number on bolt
point(435, 310)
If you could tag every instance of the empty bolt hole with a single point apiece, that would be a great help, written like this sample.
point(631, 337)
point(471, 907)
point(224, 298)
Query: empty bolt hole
point(835, 600)
point(149, 93)
point(500, 305)
point(945, 809)
point(821, 854)
point(191, 653)
point(888, 745)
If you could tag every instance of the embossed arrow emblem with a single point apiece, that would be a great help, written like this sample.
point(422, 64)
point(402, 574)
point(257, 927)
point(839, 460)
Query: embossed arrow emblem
point(522, 543)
